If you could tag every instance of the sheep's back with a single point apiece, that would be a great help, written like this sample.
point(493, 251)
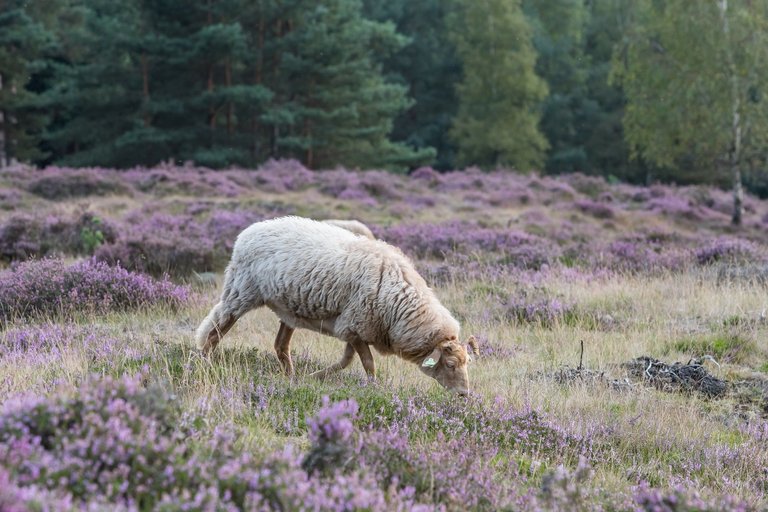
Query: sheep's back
point(311, 269)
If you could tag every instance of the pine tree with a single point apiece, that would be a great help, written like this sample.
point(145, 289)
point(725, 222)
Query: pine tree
point(341, 105)
point(99, 88)
point(429, 67)
point(23, 41)
point(500, 94)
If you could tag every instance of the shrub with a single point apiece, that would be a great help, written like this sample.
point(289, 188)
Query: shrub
point(163, 244)
point(23, 237)
point(50, 286)
point(595, 209)
point(546, 312)
point(683, 500)
point(516, 248)
point(120, 444)
point(283, 175)
point(9, 198)
point(58, 183)
point(727, 249)
point(331, 433)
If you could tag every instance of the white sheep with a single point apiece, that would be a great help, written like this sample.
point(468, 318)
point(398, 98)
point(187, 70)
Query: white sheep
point(324, 278)
point(355, 226)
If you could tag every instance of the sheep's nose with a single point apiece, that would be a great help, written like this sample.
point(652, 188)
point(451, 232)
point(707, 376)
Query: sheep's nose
point(462, 392)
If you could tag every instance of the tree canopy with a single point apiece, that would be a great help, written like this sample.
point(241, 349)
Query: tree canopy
point(633, 90)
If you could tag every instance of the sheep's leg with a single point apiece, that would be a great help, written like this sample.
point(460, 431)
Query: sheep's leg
point(283, 347)
point(346, 359)
point(215, 334)
point(366, 357)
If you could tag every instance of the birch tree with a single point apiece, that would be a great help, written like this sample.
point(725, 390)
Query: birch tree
point(694, 75)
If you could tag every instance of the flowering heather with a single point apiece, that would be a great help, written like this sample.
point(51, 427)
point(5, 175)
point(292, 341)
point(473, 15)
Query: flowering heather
point(683, 500)
point(166, 181)
point(119, 442)
point(545, 312)
point(596, 209)
point(49, 287)
point(57, 183)
point(162, 244)
point(9, 198)
point(330, 432)
point(728, 249)
point(51, 341)
point(283, 176)
point(514, 248)
point(677, 206)
point(24, 236)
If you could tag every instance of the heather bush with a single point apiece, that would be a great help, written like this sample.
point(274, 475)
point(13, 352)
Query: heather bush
point(673, 205)
point(15, 498)
point(546, 312)
point(599, 210)
point(331, 433)
point(9, 198)
point(514, 248)
point(191, 181)
point(458, 474)
point(728, 249)
point(119, 442)
point(163, 244)
point(56, 183)
point(48, 287)
point(283, 175)
point(683, 500)
point(223, 226)
point(50, 341)
point(23, 237)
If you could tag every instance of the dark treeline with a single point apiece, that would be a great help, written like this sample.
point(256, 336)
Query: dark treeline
point(608, 87)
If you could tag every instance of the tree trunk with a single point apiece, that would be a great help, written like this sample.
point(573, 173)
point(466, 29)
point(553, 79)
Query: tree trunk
point(145, 88)
point(257, 80)
point(3, 153)
point(211, 108)
point(228, 83)
point(734, 154)
point(276, 79)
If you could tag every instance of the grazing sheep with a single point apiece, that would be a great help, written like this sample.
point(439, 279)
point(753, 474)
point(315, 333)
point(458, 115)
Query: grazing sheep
point(355, 226)
point(324, 278)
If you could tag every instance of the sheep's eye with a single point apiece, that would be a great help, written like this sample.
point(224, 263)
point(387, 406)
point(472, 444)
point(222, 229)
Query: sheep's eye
point(452, 366)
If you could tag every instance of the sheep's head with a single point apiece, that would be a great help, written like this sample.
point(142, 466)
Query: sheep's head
point(448, 364)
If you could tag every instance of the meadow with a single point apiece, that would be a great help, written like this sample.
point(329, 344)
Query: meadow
point(568, 283)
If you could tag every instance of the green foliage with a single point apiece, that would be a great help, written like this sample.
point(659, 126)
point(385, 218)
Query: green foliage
point(91, 238)
point(24, 41)
point(500, 93)
point(228, 82)
point(428, 65)
point(687, 68)
point(728, 347)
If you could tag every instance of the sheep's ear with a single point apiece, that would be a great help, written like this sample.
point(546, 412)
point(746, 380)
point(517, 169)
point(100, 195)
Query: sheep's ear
point(433, 358)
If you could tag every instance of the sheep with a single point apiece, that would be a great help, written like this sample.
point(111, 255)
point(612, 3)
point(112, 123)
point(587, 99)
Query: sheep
point(355, 226)
point(317, 276)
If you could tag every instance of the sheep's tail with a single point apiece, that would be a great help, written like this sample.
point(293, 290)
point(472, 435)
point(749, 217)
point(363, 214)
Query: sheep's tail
point(208, 326)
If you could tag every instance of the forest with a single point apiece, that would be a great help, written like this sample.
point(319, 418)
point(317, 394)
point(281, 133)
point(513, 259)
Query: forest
point(635, 91)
